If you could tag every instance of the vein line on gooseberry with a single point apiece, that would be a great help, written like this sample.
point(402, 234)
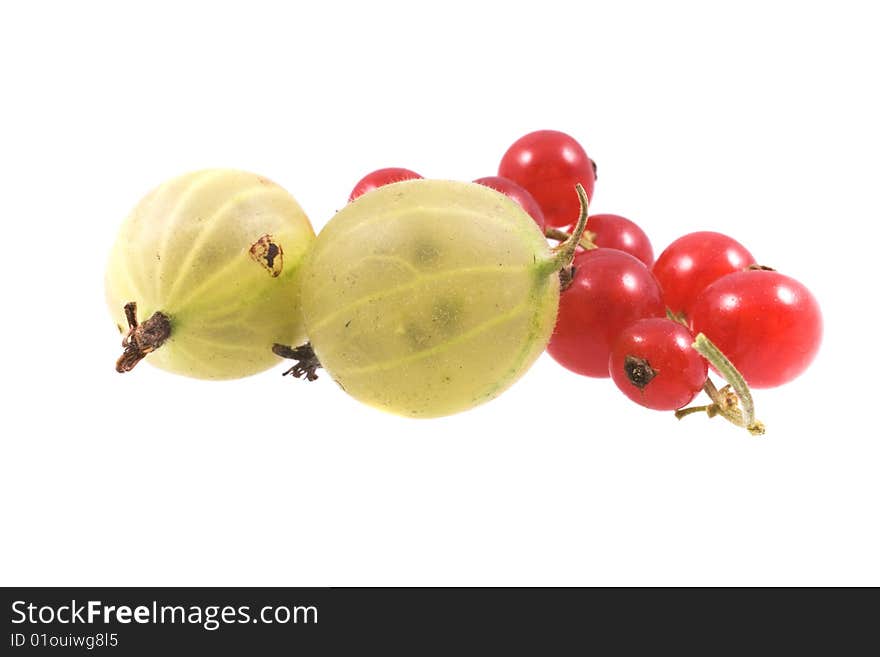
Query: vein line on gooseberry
point(431, 211)
point(212, 224)
point(226, 319)
point(218, 346)
point(185, 349)
point(207, 282)
point(420, 278)
point(521, 356)
point(510, 315)
point(364, 261)
point(216, 278)
point(176, 215)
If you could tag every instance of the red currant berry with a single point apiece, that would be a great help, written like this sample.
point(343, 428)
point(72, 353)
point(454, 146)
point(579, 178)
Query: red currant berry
point(653, 363)
point(548, 164)
point(768, 325)
point(381, 177)
point(610, 290)
point(693, 262)
point(518, 193)
point(611, 231)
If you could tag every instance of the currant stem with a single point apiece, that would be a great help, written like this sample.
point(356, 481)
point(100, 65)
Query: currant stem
point(725, 404)
point(563, 254)
point(678, 317)
point(560, 236)
point(142, 338)
point(710, 389)
point(709, 409)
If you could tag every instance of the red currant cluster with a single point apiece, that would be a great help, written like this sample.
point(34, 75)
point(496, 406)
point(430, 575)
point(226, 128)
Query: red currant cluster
point(655, 328)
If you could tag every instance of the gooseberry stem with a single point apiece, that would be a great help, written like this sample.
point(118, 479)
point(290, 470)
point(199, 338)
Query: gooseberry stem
point(563, 253)
point(142, 338)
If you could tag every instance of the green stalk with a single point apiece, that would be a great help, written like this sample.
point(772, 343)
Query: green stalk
point(744, 417)
point(562, 254)
point(560, 236)
point(709, 409)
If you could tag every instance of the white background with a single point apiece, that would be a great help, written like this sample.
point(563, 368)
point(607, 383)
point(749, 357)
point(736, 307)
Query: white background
point(758, 119)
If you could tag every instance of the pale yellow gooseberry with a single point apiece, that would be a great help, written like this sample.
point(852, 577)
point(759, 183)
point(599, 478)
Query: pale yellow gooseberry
point(209, 262)
point(427, 297)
